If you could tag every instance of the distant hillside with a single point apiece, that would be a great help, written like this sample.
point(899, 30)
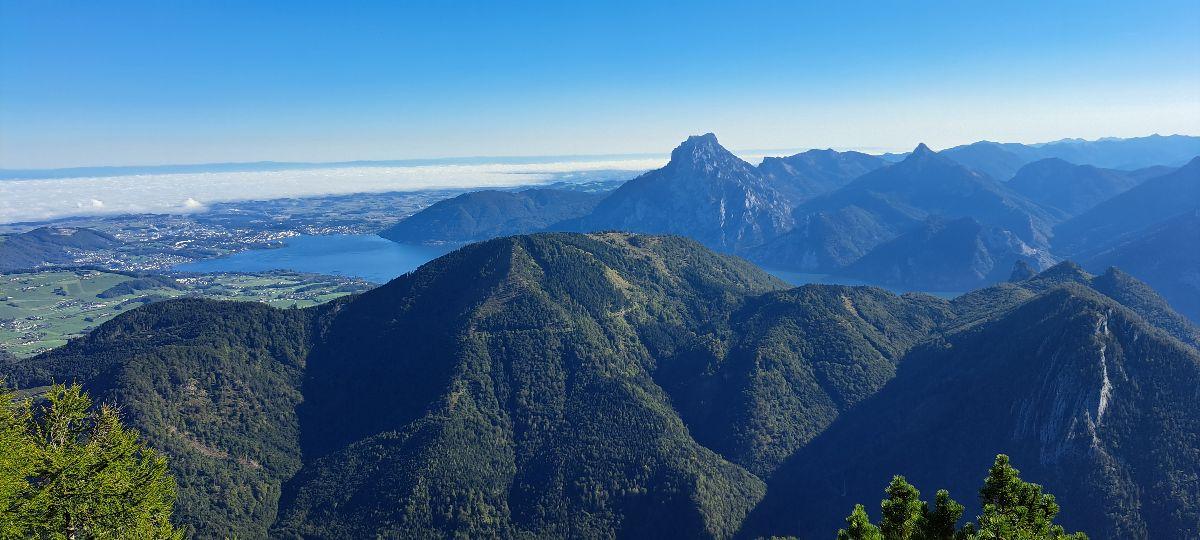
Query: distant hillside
point(1166, 256)
point(1151, 202)
point(481, 215)
point(838, 228)
point(957, 255)
point(704, 192)
point(998, 160)
point(47, 246)
point(808, 174)
point(1071, 188)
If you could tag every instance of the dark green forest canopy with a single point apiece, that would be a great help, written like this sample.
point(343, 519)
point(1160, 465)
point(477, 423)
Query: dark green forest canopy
point(613, 384)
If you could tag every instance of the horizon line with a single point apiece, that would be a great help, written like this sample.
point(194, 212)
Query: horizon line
point(6, 173)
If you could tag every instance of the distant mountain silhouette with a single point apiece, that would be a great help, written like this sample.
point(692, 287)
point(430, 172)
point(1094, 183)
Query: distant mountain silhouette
point(835, 229)
point(940, 255)
point(998, 160)
point(1151, 202)
point(1002, 160)
point(481, 215)
point(1166, 256)
point(808, 174)
point(1068, 187)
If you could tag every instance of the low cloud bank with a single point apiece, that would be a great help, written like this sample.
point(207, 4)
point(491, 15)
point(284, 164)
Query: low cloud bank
point(45, 199)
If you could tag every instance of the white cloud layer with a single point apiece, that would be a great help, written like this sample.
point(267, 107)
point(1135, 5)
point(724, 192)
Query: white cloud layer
point(44, 199)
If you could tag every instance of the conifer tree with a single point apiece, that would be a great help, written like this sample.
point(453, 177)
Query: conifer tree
point(1013, 509)
point(70, 471)
point(901, 510)
point(859, 527)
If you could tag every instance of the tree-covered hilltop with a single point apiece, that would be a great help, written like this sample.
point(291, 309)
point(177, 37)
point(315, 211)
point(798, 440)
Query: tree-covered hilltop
point(614, 384)
point(509, 392)
point(797, 360)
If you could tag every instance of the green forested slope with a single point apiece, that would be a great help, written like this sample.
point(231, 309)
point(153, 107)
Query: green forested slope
point(213, 385)
point(1097, 405)
point(508, 393)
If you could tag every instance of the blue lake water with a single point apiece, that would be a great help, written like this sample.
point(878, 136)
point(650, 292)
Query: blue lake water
point(363, 256)
point(377, 260)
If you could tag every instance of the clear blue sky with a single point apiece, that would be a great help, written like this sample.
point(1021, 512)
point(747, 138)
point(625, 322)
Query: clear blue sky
point(175, 81)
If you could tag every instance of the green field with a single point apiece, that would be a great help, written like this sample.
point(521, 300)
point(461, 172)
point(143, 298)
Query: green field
point(42, 310)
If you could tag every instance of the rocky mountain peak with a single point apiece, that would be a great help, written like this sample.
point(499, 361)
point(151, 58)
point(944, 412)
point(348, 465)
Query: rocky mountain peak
point(921, 151)
point(703, 152)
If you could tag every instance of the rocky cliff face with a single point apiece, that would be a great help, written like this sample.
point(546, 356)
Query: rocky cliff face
point(1088, 398)
point(704, 192)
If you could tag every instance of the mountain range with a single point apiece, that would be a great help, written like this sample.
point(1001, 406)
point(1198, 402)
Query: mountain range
point(1160, 256)
point(838, 228)
point(1002, 160)
point(614, 384)
point(1132, 211)
point(896, 222)
point(808, 174)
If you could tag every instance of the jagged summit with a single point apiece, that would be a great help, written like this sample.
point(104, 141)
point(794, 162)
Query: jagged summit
point(704, 152)
point(922, 156)
point(705, 193)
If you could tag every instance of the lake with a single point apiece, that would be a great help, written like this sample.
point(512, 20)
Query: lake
point(364, 256)
point(378, 260)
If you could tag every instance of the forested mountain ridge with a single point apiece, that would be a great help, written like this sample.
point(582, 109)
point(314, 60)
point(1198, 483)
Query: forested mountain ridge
point(214, 385)
point(604, 384)
point(1098, 405)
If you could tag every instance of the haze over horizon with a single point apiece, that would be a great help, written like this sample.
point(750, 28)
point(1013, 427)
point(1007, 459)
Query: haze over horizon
point(145, 83)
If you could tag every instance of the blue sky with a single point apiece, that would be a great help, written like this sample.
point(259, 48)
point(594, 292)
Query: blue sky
point(99, 83)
